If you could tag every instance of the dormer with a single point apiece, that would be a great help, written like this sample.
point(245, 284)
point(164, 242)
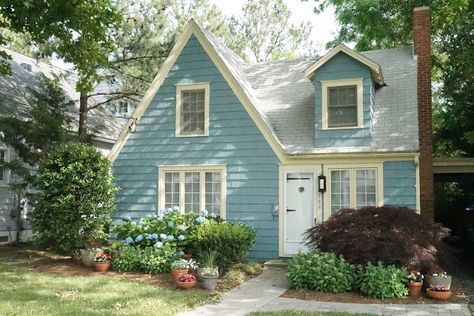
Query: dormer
point(344, 83)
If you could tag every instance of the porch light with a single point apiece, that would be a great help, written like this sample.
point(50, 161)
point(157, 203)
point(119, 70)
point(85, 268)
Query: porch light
point(322, 183)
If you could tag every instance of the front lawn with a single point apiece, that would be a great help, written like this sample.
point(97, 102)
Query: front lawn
point(27, 292)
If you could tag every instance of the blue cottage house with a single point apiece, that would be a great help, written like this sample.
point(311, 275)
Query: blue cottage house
point(279, 146)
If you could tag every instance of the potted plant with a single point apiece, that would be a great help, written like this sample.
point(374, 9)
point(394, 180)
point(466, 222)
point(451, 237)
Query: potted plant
point(186, 281)
point(88, 255)
point(102, 261)
point(209, 279)
point(182, 266)
point(415, 282)
point(207, 264)
point(437, 276)
point(438, 292)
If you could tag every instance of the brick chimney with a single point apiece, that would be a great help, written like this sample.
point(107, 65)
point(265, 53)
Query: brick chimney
point(422, 51)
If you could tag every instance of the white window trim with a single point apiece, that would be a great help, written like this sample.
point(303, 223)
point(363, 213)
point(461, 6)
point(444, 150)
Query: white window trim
point(194, 168)
point(192, 86)
point(378, 185)
point(6, 172)
point(326, 84)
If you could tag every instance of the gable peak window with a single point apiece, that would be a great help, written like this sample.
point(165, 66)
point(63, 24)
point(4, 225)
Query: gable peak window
point(192, 110)
point(342, 103)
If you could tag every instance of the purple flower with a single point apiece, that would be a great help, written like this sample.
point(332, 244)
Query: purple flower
point(139, 238)
point(176, 208)
point(170, 224)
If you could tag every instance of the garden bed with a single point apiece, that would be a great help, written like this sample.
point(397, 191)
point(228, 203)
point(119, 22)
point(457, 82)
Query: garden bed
point(458, 296)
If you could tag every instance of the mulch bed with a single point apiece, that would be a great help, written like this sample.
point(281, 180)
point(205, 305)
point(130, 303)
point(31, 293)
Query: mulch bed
point(458, 296)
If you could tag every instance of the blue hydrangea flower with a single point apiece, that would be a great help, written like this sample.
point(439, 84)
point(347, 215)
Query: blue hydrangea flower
point(203, 213)
point(213, 215)
point(169, 210)
point(139, 238)
point(158, 244)
point(147, 236)
point(170, 224)
point(127, 218)
point(162, 211)
point(181, 228)
point(176, 208)
point(160, 218)
point(154, 236)
point(163, 236)
point(141, 222)
point(170, 237)
point(129, 240)
point(200, 219)
point(181, 237)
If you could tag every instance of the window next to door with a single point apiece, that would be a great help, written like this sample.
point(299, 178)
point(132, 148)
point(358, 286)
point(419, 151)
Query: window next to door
point(353, 187)
point(193, 188)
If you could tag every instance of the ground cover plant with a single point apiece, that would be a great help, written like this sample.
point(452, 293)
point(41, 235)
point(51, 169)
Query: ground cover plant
point(392, 235)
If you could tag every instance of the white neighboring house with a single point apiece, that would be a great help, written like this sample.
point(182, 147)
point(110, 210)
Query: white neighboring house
point(109, 121)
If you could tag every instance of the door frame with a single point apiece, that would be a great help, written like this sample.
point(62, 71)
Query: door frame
point(284, 171)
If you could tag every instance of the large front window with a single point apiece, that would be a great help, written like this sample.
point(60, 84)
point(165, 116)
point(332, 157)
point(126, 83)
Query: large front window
point(193, 188)
point(192, 110)
point(352, 188)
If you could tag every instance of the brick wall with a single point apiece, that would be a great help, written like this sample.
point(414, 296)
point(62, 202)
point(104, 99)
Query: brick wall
point(422, 49)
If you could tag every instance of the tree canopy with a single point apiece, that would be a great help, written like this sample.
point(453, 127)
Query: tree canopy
point(374, 24)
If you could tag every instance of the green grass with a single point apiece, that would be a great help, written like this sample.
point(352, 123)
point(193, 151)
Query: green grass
point(303, 313)
point(25, 292)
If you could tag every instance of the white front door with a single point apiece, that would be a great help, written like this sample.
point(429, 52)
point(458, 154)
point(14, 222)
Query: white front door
point(299, 211)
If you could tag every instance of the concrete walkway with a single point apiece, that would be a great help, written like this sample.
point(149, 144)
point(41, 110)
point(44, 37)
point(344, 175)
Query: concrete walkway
point(263, 294)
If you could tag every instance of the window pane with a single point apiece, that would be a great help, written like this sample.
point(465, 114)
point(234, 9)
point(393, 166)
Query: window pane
point(365, 188)
point(171, 189)
point(213, 192)
point(342, 106)
point(191, 192)
point(2, 161)
point(192, 111)
point(340, 190)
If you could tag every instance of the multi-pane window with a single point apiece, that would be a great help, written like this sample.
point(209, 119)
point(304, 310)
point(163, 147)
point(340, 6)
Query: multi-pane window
point(194, 190)
point(2, 164)
point(342, 106)
point(353, 187)
point(192, 109)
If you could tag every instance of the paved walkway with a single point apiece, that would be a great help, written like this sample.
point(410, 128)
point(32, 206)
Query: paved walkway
point(263, 294)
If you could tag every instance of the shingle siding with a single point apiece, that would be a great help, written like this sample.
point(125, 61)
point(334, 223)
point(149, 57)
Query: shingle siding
point(234, 140)
point(399, 183)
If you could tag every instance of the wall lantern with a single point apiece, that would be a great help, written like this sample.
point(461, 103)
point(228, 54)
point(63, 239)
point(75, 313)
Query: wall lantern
point(322, 183)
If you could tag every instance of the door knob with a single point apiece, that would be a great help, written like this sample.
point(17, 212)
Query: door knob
point(288, 210)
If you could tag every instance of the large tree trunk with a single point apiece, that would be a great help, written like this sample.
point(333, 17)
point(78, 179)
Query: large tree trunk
point(83, 114)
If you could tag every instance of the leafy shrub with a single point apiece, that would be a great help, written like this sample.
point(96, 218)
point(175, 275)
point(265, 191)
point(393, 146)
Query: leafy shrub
point(320, 271)
point(230, 241)
point(76, 194)
point(156, 260)
point(127, 259)
point(381, 281)
point(392, 235)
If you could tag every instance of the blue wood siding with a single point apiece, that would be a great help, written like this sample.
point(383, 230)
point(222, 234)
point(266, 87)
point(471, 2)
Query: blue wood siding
point(399, 183)
point(342, 66)
point(234, 140)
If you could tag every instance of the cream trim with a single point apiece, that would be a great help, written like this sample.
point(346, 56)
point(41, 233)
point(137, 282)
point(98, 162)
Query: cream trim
point(347, 158)
point(374, 67)
point(186, 87)
point(193, 29)
point(192, 168)
point(417, 184)
point(379, 194)
point(326, 84)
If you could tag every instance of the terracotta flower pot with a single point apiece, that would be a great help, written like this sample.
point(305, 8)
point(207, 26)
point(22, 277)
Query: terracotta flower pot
point(177, 273)
point(441, 296)
point(414, 288)
point(186, 285)
point(102, 266)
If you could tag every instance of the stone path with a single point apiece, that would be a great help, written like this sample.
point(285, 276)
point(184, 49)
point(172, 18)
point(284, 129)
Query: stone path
point(263, 294)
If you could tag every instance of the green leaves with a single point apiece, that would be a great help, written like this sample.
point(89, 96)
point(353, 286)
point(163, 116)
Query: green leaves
point(381, 281)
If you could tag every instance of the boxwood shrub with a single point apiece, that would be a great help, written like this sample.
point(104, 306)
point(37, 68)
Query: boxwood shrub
point(381, 281)
point(325, 272)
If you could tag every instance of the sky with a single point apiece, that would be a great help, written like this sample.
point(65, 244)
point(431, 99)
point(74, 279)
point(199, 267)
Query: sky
point(324, 24)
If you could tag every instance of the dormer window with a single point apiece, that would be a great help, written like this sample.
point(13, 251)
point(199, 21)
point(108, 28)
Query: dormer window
point(342, 103)
point(192, 110)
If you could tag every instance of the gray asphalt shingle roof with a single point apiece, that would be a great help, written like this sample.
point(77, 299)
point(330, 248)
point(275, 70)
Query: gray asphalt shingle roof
point(284, 97)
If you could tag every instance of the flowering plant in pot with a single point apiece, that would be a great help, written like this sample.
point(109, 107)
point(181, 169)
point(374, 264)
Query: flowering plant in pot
point(207, 264)
point(209, 279)
point(182, 266)
point(186, 281)
point(437, 276)
point(438, 292)
point(102, 261)
point(415, 282)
